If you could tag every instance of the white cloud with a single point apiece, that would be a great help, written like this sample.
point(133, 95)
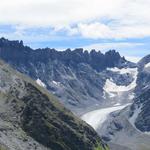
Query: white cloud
point(52, 12)
point(92, 19)
point(98, 30)
point(107, 46)
point(95, 30)
point(133, 58)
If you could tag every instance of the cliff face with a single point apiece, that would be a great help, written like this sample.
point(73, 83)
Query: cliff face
point(31, 118)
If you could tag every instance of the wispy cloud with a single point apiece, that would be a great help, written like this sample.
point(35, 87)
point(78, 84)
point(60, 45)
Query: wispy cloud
point(115, 45)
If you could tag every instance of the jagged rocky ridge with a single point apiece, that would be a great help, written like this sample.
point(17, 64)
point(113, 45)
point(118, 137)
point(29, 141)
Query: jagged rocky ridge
point(77, 77)
point(16, 52)
point(31, 118)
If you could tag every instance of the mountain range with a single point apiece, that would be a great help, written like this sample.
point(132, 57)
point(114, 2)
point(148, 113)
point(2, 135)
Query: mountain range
point(108, 92)
point(76, 77)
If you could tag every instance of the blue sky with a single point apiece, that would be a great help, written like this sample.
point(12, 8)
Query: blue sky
point(123, 25)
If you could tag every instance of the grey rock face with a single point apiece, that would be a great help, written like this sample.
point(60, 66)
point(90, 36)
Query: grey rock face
point(142, 101)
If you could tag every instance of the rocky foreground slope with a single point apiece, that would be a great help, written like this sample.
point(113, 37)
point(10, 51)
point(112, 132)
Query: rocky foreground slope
point(30, 118)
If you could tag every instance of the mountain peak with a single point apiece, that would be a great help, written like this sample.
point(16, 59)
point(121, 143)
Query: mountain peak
point(7, 43)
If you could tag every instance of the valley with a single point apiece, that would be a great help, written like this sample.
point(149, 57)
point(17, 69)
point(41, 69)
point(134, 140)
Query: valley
point(105, 90)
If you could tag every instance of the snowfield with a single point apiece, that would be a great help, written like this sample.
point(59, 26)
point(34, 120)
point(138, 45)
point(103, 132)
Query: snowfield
point(56, 83)
point(97, 117)
point(147, 65)
point(135, 115)
point(39, 82)
point(123, 70)
point(115, 91)
point(110, 86)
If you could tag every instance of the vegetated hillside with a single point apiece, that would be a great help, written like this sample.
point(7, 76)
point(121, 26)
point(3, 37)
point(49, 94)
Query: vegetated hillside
point(31, 118)
point(76, 77)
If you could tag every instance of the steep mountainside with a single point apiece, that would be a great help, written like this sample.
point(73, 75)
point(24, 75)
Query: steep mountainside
point(31, 118)
point(76, 77)
point(143, 80)
point(130, 127)
point(141, 104)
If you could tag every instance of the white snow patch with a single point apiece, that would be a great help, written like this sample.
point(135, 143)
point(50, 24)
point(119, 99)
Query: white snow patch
point(117, 104)
point(39, 82)
point(147, 67)
point(134, 116)
point(148, 133)
point(56, 83)
point(97, 117)
point(110, 86)
point(131, 96)
point(110, 94)
point(122, 70)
